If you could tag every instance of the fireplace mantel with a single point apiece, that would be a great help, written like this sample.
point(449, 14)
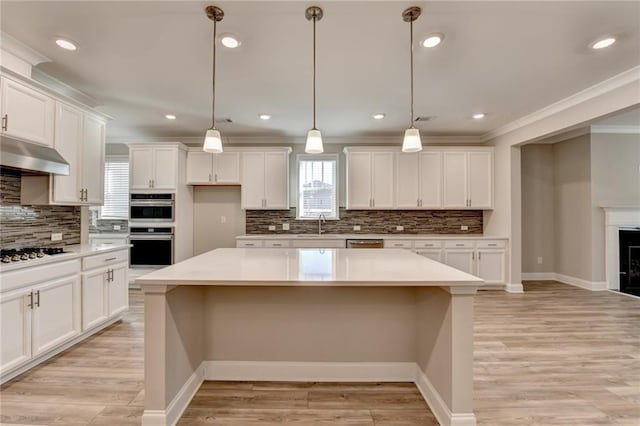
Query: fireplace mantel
point(616, 217)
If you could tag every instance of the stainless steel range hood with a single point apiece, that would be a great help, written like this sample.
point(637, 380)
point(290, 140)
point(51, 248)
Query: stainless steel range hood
point(31, 157)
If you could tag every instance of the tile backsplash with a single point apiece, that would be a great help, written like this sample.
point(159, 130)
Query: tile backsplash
point(31, 226)
point(105, 226)
point(370, 222)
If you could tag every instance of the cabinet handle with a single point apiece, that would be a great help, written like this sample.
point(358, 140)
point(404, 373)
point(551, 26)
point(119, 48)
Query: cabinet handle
point(110, 259)
point(492, 245)
point(215, 178)
point(398, 245)
point(209, 177)
point(153, 183)
point(86, 194)
point(459, 245)
point(37, 303)
point(277, 245)
point(373, 202)
point(479, 254)
point(149, 183)
point(30, 300)
point(111, 273)
point(473, 255)
point(82, 195)
point(249, 245)
point(5, 121)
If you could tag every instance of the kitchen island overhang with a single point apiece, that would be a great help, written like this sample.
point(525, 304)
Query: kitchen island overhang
point(309, 315)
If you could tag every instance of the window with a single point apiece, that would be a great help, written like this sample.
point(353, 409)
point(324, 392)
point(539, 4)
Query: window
point(116, 189)
point(317, 186)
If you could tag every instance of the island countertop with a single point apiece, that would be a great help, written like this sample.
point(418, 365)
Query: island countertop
point(309, 267)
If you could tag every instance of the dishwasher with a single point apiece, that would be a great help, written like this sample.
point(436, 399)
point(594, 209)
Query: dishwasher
point(366, 243)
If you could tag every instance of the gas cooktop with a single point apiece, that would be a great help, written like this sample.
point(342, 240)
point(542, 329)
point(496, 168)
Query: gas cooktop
point(28, 253)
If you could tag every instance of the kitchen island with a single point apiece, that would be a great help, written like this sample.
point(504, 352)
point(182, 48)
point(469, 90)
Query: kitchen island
point(309, 315)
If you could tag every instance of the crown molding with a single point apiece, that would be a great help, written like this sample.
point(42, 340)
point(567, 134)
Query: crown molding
point(599, 89)
point(21, 50)
point(564, 136)
point(623, 130)
point(63, 88)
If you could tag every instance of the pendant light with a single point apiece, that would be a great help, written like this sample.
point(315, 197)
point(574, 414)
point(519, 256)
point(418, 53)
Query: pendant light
point(212, 139)
point(412, 141)
point(314, 137)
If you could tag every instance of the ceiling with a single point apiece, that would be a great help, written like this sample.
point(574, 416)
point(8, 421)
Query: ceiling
point(142, 60)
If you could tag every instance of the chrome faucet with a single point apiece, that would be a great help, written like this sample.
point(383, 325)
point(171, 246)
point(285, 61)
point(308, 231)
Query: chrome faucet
point(321, 218)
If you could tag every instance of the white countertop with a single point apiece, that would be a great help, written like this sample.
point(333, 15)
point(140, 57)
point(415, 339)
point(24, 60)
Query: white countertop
point(369, 236)
point(309, 267)
point(71, 252)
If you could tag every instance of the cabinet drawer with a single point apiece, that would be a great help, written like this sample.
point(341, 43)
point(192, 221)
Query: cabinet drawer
point(405, 244)
point(427, 244)
point(491, 244)
point(277, 243)
point(459, 244)
point(318, 243)
point(105, 259)
point(249, 243)
point(30, 276)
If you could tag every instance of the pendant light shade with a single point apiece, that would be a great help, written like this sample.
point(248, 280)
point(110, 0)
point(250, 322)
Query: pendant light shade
point(314, 137)
point(212, 139)
point(412, 141)
point(212, 142)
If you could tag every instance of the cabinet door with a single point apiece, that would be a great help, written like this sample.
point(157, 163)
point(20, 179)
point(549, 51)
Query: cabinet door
point(94, 298)
point(93, 159)
point(491, 266)
point(118, 289)
point(165, 174)
point(435, 254)
point(481, 180)
point(460, 259)
point(68, 142)
point(455, 180)
point(359, 180)
point(140, 168)
point(15, 324)
point(276, 180)
point(227, 168)
point(56, 313)
point(199, 167)
point(27, 113)
point(407, 181)
point(430, 180)
point(382, 180)
point(252, 192)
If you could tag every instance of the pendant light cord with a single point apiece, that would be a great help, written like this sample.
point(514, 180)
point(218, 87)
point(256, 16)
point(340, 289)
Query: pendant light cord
point(213, 77)
point(411, 50)
point(314, 72)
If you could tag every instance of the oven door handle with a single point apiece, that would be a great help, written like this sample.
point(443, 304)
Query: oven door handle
point(151, 203)
point(133, 237)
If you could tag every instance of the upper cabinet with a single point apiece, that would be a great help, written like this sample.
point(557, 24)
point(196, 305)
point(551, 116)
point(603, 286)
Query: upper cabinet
point(27, 113)
point(468, 179)
point(204, 168)
point(419, 180)
point(370, 183)
point(265, 179)
point(153, 168)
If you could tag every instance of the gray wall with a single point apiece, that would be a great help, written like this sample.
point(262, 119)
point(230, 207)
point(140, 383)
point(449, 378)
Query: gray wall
point(211, 204)
point(538, 228)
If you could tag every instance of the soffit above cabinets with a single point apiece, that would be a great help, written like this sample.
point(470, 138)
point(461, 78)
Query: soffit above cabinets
point(505, 59)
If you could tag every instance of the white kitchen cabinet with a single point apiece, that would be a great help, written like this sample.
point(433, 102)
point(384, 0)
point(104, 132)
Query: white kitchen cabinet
point(204, 168)
point(462, 259)
point(418, 180)
point(491, 265)
point(265, 180)
point(94, 299)
point(68, 142)
point(27, 113)
point(118, 290)
point(93, 158)
point(15, 323)
point(370, 179)
point(468, 179)
point(153, 168)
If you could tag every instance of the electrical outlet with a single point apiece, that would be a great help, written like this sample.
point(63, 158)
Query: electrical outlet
point(399, 228)
point(464, 228)
point(356, 227)
point(56, 236)
point(285, 226)
point(272, 227)
point(223, 219)
point(116, 227)
point(540, 261)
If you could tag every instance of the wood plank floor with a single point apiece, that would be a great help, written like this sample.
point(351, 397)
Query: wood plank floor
point(555, 355)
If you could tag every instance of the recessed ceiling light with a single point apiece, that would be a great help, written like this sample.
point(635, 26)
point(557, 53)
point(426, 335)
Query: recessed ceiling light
point(265, 117)
point(603, 43)
point(379, 116)
point(170, 117)
point(479, 115)
point(229, 40)
point(433, 40)
point(66, 44)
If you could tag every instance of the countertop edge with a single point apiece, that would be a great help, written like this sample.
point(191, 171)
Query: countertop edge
point(369, 236)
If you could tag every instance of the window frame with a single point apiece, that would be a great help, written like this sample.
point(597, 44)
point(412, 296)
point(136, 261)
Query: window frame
point(316, 157)
point(114, 159)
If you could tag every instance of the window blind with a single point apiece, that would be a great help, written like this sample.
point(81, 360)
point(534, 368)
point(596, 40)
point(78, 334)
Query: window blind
point(318, 192)
point(116, 189)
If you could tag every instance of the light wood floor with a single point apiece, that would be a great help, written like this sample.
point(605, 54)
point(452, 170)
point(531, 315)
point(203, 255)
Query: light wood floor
point(554, 355)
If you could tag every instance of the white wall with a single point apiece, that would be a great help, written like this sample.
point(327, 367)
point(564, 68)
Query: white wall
point(211, 204)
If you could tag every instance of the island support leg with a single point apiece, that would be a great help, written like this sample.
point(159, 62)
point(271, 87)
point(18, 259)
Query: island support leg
point(445, 352)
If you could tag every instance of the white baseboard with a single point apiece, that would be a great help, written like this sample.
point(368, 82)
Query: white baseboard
point(437, 404)
point(514, 288)
point(310, 371)
point(180, 402)
point(579, 282)
point(538, 276)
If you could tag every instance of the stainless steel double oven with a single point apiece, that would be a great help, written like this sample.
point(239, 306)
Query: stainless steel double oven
point(151, 230)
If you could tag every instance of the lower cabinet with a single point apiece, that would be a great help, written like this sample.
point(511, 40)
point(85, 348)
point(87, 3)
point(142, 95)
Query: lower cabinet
point(105, 293)
point(491, 265)
point(462, 259)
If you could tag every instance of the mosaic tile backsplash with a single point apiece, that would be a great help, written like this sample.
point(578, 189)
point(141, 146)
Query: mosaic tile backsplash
point(370, 221)
point(31, 226)
point(105, 226)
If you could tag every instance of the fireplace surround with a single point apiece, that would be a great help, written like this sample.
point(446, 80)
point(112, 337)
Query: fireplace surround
point(617, 218)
